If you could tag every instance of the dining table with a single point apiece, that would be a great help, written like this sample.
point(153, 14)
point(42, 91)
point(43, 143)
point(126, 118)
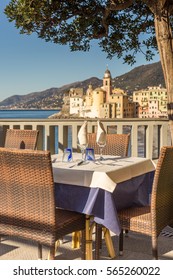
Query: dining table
point(100, 188)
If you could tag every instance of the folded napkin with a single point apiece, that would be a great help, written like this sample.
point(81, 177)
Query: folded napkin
point(82, 135)
point(101, 134)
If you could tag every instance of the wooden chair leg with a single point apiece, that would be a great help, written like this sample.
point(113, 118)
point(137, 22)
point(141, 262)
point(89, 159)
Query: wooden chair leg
point(121, 243)
point(76, 239)
point(98, 241)
point(39, 251)
point(108, 240)
point(57, 244)
point(154, 248)
point(51, 255)
point(88, 231)
point(109, 243)
point(83, 244)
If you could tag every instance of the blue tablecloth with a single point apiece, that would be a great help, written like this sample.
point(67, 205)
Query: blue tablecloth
point(103, 205)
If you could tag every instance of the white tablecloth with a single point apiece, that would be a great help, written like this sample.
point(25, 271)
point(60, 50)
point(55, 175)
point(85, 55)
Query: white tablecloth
point(100, 174)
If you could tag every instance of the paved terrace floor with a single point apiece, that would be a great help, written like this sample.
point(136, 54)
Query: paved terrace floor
point(136, 247)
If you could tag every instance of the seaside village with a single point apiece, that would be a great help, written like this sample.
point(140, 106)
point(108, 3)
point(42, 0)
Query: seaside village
point(109, 102)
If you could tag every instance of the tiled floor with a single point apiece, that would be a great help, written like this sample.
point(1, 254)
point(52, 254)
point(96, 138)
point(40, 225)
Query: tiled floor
point(136, 247)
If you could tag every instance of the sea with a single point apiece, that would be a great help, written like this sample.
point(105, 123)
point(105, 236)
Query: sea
point(26, 114)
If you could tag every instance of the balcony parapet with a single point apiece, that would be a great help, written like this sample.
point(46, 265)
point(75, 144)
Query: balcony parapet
point(147, 135)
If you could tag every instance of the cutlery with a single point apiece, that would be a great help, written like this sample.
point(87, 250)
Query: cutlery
point(126, 160)
point(113, 164)
point(104, 163)
point(77, 164)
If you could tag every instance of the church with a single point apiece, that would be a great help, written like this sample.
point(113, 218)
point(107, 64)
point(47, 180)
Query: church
point(101, 102)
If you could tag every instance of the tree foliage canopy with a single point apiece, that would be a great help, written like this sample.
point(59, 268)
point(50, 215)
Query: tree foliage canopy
point(77, 23)
point(122, 28)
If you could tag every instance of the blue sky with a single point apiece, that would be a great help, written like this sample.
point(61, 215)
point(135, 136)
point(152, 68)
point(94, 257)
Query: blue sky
point(29, 64)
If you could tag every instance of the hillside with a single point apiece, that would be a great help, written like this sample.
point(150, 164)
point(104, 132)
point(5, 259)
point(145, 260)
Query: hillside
point(139, 78)
point(48, 99)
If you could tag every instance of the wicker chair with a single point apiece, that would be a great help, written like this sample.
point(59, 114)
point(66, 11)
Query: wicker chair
point(116, 144)
point(21, 139)
point(150, 220)
point(27, 203)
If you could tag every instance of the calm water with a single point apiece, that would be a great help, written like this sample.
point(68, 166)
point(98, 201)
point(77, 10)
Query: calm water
point(26, 114)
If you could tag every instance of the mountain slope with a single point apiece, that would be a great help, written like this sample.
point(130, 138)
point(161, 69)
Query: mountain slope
point(50, 98)
point(139, 78)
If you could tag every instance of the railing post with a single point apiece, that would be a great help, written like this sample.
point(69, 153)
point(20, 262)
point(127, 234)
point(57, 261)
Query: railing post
point(52, 139)
point(40, 144)
point(34, 127)
point(75, 130)
point(149, 141)
point(46, 138)
point(60, 138)
point(134, 140)
point(119, 129)
point(90, 127)
point(163, 135)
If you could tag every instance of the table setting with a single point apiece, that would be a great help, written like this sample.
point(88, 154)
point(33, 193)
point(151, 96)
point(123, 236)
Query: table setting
point(105, 174)
point(100, 185)
point(97, 171)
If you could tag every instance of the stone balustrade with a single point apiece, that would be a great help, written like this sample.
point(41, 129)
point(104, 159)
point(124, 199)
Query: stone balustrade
point(147, 135)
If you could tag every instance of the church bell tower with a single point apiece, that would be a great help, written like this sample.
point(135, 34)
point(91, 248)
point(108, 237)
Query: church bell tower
point(107, 84)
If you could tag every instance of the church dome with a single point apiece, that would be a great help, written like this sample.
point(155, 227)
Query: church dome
point(107, 74)
point(99, 89)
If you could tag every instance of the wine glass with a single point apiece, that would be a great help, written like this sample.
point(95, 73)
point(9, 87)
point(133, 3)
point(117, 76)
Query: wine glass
point(101, 145)
point(83, 147)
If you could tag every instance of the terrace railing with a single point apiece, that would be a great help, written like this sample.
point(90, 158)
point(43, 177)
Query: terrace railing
point(147, 135)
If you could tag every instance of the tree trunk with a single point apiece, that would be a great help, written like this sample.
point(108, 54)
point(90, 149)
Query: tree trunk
point(165, 46)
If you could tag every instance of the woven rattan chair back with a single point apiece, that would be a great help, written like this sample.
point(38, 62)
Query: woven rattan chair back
point(116, 144)
point(27, 206)
point(27, 200)
point(162, 192)
point(21, 139)
point(151, 220)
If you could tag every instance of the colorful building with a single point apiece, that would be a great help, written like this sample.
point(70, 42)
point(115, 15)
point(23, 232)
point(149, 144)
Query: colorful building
point(151, 102)
point(102, 102)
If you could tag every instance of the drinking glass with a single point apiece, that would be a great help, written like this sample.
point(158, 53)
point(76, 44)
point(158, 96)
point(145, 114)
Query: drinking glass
point(83, 147)
point(101, 145)
point(89, 155)
point(67, 155)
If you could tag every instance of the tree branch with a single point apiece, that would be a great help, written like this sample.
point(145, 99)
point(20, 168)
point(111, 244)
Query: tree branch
point(118, 5)
point(154, 4)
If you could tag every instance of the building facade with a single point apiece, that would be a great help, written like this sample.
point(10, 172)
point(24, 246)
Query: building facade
point(102, 102)
point(151, 102)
